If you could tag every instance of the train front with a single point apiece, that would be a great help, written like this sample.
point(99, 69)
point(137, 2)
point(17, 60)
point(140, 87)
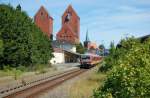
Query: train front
point(85, 61)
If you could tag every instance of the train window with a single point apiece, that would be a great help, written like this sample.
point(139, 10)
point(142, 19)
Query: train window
point(85, 57)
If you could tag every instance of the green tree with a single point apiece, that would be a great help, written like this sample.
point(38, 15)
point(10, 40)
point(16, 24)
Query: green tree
point(80, 48)
point(101, 49)
point(18, 7)
point(1, 50)
point(23, 42)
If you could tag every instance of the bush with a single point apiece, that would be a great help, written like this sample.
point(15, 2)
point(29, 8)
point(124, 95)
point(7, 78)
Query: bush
point(12, 71)
point(41, 68)
point(103, 67)
point(116, 53)
point(22, 68)
point(130, 78)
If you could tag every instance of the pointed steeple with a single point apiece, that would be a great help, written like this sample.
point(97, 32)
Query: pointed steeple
point(87, 37)
point(87, 40)
point(70, 9)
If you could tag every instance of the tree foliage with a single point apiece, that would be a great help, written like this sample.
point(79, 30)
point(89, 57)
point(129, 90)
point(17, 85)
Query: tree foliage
point(101, 47)
point(110, 59)
point(80, 48)
point(129, 75)
point(18, 7)
point(23, 42)
point(1, 47)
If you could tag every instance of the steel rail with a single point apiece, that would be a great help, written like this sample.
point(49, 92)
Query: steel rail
point(32, 90)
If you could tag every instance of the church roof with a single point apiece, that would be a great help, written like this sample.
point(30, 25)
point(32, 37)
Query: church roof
point(71, 8)
point(42, 8)
point(87, 37)
point(67, 27)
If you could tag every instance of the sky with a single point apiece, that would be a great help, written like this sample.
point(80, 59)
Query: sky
point(105, 20)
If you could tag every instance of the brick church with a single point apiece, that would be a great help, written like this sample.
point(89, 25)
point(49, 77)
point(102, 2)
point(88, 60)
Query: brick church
point(64, 46)
point(44, 21)
point(70, 30)
point(70, 27)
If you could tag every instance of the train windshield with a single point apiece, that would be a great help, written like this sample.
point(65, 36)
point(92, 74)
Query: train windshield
point(85, 57)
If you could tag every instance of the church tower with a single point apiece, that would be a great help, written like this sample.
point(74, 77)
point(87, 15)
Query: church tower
point(87, 40)
point(70, 30)
point(44, 21)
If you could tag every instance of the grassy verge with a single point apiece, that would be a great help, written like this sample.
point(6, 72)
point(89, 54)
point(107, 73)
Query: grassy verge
point(84, 87)
point(19, 72)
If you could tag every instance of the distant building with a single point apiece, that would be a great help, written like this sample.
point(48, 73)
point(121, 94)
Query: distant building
point(64, 52)
point(64, 46)
point(44, 21)
point(69, 35)
point(70, 30)
point(87, 40)
point(90, 46)
point(143, 38)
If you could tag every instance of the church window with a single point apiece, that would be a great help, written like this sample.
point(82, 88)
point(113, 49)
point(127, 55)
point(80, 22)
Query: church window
point(42, 15)
point(68, 17)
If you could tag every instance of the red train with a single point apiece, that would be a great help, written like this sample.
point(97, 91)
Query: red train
point(89, 60)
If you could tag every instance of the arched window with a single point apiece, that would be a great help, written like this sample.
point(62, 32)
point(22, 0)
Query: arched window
point(42, 15)
point(68, 17)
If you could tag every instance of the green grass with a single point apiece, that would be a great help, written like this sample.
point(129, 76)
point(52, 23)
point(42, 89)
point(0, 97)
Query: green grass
point(11, 72)
point(84, 88)
point(21, 71)
point(4, 74)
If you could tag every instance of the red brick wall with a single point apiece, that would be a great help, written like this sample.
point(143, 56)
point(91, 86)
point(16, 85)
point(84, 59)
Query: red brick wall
point(44, 21)
point(66, 34)
point(71, 28)
point(74, 22)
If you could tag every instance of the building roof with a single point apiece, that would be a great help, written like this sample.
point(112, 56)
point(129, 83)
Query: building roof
point(57, 43)
point(92, 45)
point(75, 53)
point(42, 8)
point(71, 8)
point(143, 38)
point(58, 50)
point(87, 37)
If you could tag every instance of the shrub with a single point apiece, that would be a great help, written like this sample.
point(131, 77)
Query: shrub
point(130, 78)
point(12, 71)
point(41, 68)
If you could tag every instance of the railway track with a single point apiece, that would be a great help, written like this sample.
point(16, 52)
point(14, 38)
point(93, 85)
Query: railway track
point(30, 90)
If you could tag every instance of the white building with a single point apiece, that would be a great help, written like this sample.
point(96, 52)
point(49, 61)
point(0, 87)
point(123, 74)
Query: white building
point(64, 52)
